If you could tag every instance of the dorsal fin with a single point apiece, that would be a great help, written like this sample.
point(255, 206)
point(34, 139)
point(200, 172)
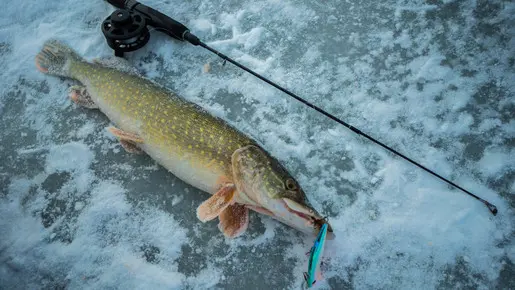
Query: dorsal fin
point(118, 63)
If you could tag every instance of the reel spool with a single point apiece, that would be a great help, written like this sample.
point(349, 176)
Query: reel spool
point(125, 31)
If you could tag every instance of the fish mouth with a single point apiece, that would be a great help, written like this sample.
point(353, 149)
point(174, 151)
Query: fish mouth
point(311, 217)
point(296, 215)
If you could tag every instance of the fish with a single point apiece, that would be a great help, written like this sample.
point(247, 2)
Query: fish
point(199, 148)
point(315, 257)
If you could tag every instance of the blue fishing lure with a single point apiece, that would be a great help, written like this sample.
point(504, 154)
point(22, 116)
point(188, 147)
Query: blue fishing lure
point(315, 257)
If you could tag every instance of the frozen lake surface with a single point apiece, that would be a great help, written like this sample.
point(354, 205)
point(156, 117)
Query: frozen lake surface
point(432, 79)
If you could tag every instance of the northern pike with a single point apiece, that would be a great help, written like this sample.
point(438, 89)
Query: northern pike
point(201, 149)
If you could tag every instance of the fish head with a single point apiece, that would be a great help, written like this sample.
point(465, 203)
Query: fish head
point(267, 187)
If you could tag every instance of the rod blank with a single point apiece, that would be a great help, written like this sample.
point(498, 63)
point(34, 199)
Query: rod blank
point(491, 207)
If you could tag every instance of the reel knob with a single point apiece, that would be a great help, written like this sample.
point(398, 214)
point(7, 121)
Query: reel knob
point(125, 31)
point(121, 17)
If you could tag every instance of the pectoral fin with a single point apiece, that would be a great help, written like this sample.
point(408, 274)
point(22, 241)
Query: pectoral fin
point(217, 203)
point(234, 220)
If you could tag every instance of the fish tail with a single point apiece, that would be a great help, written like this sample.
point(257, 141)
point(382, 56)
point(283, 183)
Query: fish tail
point(55, 58)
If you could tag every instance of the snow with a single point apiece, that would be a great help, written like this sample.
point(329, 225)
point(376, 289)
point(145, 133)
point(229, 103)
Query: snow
point(433, 81)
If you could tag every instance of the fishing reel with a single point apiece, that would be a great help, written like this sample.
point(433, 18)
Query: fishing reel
point(126, 28)
point(125, 31)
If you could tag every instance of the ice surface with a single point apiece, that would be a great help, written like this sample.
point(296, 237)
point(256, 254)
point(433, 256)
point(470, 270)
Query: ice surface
point(432, 79)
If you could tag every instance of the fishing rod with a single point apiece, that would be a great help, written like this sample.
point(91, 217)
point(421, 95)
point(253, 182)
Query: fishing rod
point(126, 30)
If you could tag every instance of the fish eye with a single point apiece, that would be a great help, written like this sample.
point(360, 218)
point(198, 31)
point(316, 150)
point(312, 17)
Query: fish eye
point(290, 184)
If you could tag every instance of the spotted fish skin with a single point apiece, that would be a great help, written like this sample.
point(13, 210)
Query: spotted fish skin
point(182, 136)
point(199, 148)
